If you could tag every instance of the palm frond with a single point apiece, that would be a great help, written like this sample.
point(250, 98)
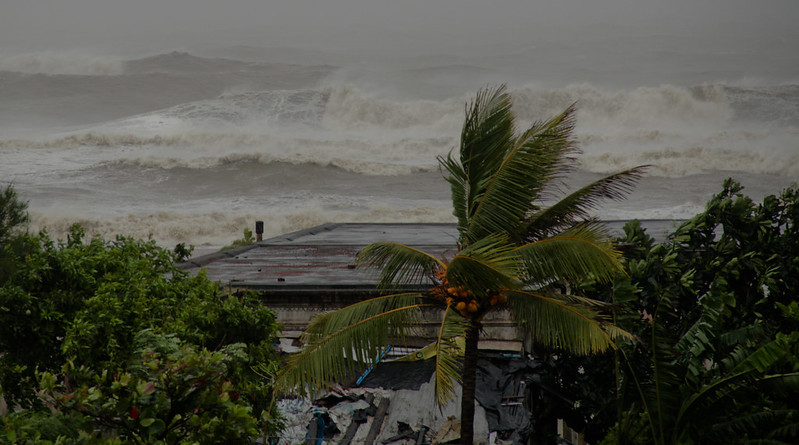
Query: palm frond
point(398, 264)
point(447, 352)
point(428, 351)
point(604, 307)
point(556, 321)
point(342, 343)
point(509, 193)
point(486, 136)
point(486, 265)
point(556, 147)
point(581, 252)
point(575, 206)
point(459, 186)
point(329, 322)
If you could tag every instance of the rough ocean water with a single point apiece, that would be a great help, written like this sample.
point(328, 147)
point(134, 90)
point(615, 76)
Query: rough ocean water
point(193, 147)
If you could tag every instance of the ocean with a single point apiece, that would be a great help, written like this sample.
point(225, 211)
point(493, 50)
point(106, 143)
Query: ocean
point(194, 146)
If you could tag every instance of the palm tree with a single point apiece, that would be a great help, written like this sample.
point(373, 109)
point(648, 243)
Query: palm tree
point(513, 252)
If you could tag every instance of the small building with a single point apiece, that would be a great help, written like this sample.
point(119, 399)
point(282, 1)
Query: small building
point(304, 273)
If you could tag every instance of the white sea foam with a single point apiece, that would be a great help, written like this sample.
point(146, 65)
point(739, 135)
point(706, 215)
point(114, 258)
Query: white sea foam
point(210, 157)
point(678, 131)
point(212, 230)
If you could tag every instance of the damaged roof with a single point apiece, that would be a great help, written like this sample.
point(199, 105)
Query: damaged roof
point(322, 258)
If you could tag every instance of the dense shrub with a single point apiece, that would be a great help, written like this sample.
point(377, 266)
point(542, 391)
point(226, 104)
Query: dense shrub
point(86, 325)
point(714, 309)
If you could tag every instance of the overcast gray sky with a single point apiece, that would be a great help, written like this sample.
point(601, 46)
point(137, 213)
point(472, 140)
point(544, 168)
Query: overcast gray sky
point(64, 24)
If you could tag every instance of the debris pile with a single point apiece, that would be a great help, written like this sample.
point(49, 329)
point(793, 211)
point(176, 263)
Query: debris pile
point(395, 404)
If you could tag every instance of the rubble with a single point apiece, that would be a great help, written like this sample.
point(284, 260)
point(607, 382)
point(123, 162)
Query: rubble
point(395, 404)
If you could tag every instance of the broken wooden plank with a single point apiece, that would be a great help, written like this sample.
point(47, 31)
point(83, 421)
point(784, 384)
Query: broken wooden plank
point(377, 422)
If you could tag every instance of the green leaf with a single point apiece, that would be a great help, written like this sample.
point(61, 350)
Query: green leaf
point(398, 264)
point(449, 347)
point(575, 207)
point(582, 252)
point(340, 344)
point(156, 427)
point(560, 321)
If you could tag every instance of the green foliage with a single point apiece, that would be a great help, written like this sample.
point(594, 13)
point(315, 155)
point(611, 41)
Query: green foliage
point(245, 241)
point(512, 248)
point(13, 221)
point(173, 392)
point(13, 213)
point(714, 309)
point(72, 311)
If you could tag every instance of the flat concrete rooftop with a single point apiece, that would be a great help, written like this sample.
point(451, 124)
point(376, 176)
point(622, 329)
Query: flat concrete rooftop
point(322, 258)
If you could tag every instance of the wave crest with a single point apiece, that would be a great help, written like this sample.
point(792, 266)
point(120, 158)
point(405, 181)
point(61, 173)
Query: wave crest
point(651, 106)
point(678, 130)
point(212, 230)
point(671, 162)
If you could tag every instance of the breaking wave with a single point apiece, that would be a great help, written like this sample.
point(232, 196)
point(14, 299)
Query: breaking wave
point(678, 130)
point(212, 230)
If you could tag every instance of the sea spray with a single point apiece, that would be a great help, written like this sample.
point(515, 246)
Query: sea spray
point(194, 150)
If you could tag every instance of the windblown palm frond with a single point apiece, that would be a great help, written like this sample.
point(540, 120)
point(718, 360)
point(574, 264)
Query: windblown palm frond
point(488, 264)
point(448, 351)
point(487, 131)
point(579, 253)
point(342, 343)
point(574, 207)
point(398, 264)
point(554, 320)
point(510, 192)
point(555, 148)
point(485, 138)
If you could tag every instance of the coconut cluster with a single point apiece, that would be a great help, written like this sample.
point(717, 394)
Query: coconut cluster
point(462, 299)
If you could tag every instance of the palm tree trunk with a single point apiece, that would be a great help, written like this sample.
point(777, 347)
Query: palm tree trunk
point(469, 376)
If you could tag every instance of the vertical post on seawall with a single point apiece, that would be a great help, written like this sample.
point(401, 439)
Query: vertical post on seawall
point(259, 230)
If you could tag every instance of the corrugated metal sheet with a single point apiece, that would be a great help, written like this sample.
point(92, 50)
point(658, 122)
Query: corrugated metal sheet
point(323, 257)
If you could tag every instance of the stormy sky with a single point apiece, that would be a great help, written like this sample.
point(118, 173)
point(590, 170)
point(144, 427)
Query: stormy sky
point(158, 25)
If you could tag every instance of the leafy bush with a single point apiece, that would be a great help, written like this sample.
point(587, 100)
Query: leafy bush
point(246, 240)
point(713, 309)
point(13, 213)
point(77, 314)
point(172, 392)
